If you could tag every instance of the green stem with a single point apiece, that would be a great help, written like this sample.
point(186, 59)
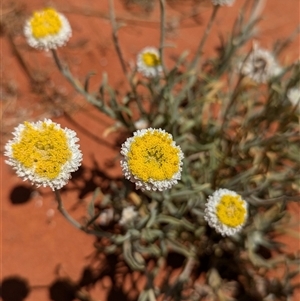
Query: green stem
point(162, 35)
point(233, 98)
point(79, 88)
point(115, 36)
point(177, 288)
point(187, 271)
point(76, 84)
point(63, 211)
point(196, 61)
point(71, 220)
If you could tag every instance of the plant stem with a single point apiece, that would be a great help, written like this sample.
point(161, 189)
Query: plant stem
point(70, 219)
point(63, 211)
point(196, 61)
point(177, 288)
point(188, 268)
point(89, 97)
point(231, 102)
point(162, 35)
point(76, 84)
point(115, 36)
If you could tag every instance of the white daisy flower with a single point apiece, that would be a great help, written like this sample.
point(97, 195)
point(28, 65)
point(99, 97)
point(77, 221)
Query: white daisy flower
point(47, 29)
point(148, 62)
point(151, 160)
point(293, 96)
point(260, 65)
point(222, 2)
point(44, 153)
point(226, 211)
point(128, 215)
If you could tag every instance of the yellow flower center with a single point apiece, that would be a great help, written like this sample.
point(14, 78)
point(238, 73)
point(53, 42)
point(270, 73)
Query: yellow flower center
point(230, 211)
point(44, 150)
point(45, 23)
point(152, 156)
point(151, 59)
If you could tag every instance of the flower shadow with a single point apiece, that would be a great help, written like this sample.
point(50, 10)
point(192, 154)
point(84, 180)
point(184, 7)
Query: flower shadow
point(20, 194)
point(62, 290)
point(14, 288)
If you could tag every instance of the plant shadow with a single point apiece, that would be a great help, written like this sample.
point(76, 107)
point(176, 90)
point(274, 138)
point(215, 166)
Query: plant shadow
point(17, 288)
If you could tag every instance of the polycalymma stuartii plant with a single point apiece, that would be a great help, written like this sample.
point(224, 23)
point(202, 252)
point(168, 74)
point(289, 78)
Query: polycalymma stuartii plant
point(249, 146)
point(47, 29)
point(44, 153)
point(151, 160)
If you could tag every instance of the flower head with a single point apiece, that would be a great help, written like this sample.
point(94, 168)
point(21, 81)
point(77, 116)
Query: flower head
point(293, 96)
point(47, 29)
point(260, 65)
point(222, 2)
point(151, 160)
point(148, 62)
point(44, 153)
point(128, 215)
point(226, 211)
